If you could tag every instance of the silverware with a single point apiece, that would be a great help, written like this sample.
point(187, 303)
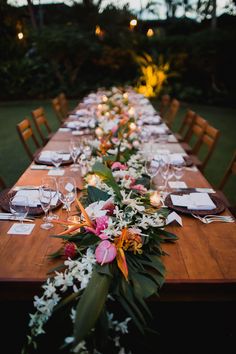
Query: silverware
point(207, 219)
point(19, 188)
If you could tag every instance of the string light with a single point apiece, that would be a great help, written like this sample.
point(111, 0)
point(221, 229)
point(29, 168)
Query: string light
point(133, 23)
point(20, 35)
point(150, 32)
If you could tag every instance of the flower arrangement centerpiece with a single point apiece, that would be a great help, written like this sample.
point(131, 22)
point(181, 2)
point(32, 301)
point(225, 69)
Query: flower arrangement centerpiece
point(113, 255)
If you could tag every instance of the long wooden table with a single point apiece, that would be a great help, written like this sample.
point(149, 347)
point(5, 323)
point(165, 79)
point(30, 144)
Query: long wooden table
point(201, 265)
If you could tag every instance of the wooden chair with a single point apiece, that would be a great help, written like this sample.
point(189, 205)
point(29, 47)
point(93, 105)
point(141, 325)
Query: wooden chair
point(26, 134)
point(170, 114)
point(164, 104)
point(64, 104)
point(57, 109)
point(2, 184)
point(231, 170)
point(196, 132)
point(208, 140)
point(41, 124)
point(184, 131)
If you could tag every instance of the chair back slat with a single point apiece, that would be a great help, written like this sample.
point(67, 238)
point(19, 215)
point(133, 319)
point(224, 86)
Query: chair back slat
point(25, 132)
point(198, 130)
point(57, 109)
point(40, 121)
point(171, 112)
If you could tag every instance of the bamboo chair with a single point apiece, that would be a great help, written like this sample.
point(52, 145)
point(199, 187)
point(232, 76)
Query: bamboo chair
point(57, 109)
point(184, 131)
point(196, 132)
point(164, 105)
point(41, 124)
point(2, 184)
point(64, 104)
point(26, 135)
point(170, 115)
point(209, 140)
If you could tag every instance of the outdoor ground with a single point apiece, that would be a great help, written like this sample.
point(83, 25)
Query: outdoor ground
point(13, 159)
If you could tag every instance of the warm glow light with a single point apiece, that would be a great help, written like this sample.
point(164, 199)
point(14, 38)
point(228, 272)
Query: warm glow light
point(92, 180)
point(131, 112)
point(100, 107)
point(125, 95)
point(104, 98)
point(155, 199)
point(133, 22)
point(150, 32)
point(20, 35)
point(132, 126)
point(98, 30)
point(99, 132)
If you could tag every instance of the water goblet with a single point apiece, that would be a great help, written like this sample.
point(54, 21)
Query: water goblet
point(45, 197)
point(19, 207)
point(67, 193)
point(51, 184)
point(74, 152)
point(151, 167)
point(56, 159)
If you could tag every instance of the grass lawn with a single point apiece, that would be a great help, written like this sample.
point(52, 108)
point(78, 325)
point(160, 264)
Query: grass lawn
point(13, 159)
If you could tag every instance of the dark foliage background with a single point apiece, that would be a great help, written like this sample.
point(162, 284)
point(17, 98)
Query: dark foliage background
point(64, 54)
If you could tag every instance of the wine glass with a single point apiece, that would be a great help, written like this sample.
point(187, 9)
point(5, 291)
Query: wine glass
point(19, 207)
point(51, 184)
point(151, 167)
point(74, 152)
point(166, 172)
point(178, 171)
point(56, 159)
point(67, 193)
point(45, 197)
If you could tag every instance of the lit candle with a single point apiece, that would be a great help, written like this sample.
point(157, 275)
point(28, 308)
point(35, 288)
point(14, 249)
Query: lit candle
point(155, 199)
point(99, 132)
point(104, 98)
point(132, 126)
point(125, 95)
point(131, 112)
point(92, 180)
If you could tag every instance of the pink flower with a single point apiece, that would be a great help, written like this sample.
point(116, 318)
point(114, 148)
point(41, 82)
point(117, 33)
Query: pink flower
point(118, 165)
point(70, 250)
point(101, 225)
point(109, 207)
point(105, 252)
point(139, 187)
point(114, 129)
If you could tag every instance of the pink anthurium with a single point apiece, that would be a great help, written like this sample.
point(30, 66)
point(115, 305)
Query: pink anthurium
point(105, 252)
point(119, 166)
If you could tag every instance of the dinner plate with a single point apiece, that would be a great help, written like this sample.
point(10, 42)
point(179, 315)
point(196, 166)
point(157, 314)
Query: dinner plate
point(5, 196)
point(220, 206)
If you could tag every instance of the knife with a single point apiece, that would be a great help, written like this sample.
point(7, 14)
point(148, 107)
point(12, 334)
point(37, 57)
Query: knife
point(9, 216)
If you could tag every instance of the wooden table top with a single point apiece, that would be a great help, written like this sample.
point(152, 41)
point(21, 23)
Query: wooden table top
point(201, 265)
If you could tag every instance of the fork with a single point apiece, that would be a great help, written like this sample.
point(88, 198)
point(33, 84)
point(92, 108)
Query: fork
point(213, 218)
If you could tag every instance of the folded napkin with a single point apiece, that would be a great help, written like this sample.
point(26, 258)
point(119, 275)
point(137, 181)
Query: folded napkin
point(46, 156)
point(193, 201)
point(176, 159)
point(33, 197)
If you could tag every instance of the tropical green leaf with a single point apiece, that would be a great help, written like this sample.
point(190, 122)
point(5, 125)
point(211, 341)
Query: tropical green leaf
point(106, 174)
point(95, 194)
point(147, 286)
point(91, 304)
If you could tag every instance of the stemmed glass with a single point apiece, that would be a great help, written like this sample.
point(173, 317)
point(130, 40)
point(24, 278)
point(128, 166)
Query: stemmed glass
point(74, 152)
point(166, 172)
point(19, 207)
point(178, 171)
point(51, 184)
point(45, 197)
point(56, 159)
point(152, 167)
point(67, 193)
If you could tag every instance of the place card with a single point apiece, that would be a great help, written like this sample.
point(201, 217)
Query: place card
point(16, 229)
point(56, 172)
point(177, 184)
point(40, 167)
point(77, 132)
point(174, 217)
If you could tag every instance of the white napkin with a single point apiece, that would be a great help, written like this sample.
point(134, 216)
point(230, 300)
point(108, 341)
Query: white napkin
point(33, 197)
point(64, 130)
point(176, 159)
point(177, 184)
point(194, 201)
point(46, 156)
